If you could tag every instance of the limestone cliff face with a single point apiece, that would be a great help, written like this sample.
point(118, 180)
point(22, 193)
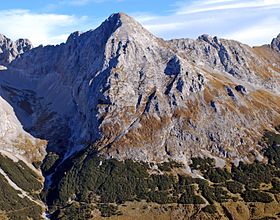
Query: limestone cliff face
point(133, 95)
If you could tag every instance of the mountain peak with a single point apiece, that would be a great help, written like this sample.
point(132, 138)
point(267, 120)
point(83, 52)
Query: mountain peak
point(117, 19)
point(118, 24)
point(124, 26)
point(23, 45)
point(9, 49)
point(120, 17)
point(106, 29)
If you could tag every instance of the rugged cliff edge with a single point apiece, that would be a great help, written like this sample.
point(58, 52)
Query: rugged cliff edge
point(120, 92)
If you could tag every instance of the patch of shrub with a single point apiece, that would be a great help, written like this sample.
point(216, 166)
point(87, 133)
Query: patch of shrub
point(107, 210)
point(49, 163)
point(168, 166)
point(16, 207)
point(20, 174)
point(256, 196)
point(212, 194)
point(160, 197)
point(189, 197)
point(272, 152)
point(185, 180)
point(271, 137)
point(73, 211)
point(275, 186)
point(162, 182)
point(234, 187)
point(252, 175)
point(209, 171)
point(202, 164)
point(217, 175)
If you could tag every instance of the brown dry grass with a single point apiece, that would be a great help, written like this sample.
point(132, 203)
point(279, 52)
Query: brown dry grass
point(266, 99)
point(270, 57)
point(145, 133)
point(33, 150)
point(190, 112)
point(3, 215)
point(267, 54)
point(208, 95)
point(152, 211)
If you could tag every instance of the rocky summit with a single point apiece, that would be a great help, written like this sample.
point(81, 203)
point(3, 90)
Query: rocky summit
point(10, 50)
point(117, 101)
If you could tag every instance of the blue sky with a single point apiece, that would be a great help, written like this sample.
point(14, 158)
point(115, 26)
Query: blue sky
point(254, 22)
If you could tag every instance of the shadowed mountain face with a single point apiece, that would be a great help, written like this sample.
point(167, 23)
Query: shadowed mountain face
point(131, 95)
point(275, 44)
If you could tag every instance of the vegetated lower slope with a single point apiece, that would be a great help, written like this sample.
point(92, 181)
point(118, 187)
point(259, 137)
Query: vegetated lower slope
point(20, 190)
point(115, 103)
point(88, 186)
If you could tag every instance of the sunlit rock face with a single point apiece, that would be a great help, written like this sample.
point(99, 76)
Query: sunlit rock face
point(14, 140)
point(133, 95)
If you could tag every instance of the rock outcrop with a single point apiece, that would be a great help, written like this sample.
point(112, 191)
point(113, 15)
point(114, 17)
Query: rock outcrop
point(275, 44)
point(10, 50)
